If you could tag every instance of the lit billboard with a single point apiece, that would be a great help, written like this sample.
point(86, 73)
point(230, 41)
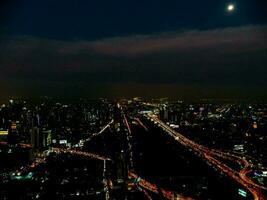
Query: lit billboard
point(242, 193)
point(3, 132)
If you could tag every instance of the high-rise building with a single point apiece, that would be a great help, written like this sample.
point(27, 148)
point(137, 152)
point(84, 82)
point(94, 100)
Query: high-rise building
point(166, 114)
point(35, 138)
point(40, 139)
point(12, 134)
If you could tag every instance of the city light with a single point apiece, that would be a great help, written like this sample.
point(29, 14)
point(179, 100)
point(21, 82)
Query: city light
point(3, 132)
point(119, 139)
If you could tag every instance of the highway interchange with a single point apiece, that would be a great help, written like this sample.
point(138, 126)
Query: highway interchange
point(211, 155)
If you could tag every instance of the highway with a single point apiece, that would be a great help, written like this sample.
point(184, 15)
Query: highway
point(98, 133)
point(211, 157)
point(129, 141)
point(80, 153)
point(155, 189)
point(141, 123)
point(22, 145)
point(144, 184)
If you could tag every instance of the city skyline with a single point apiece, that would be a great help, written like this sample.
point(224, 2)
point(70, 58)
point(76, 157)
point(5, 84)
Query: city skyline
point(133, 100)
point(132, 149)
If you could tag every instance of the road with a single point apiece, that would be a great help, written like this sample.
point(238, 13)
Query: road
point(157, 190)
point(212, 157)
point(144, 184)
point(100, 132)
point(80, 153)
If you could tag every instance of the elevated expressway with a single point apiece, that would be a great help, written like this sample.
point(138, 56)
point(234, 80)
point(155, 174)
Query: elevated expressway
point(215, 157)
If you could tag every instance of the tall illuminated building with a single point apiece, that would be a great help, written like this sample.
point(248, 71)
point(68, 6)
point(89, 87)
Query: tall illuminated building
point(12, 134)
point(35, 138)
point(40, 139)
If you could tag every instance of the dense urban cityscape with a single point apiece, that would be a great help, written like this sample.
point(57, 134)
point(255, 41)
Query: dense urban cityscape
point(133, 100)
point(133, 149)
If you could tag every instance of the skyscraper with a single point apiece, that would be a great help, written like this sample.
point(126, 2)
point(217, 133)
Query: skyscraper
point(35, 138)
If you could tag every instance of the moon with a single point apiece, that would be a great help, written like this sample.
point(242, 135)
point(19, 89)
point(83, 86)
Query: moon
point(230, 7)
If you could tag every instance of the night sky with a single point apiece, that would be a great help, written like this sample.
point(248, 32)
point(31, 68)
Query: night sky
point(93, 48)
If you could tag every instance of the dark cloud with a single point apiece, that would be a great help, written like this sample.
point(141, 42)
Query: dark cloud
point(228, 40)
point(229, 56)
